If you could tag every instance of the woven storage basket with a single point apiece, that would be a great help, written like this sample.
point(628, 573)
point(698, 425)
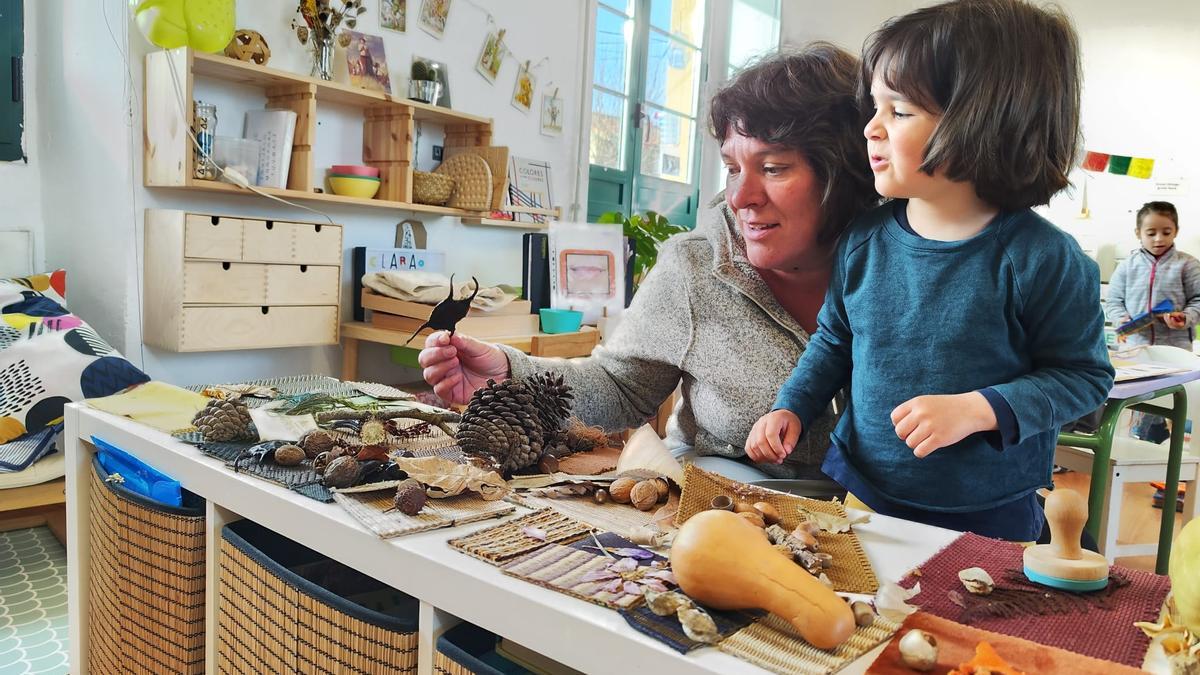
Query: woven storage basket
point(287, 609)
point(467, 649)
point(147, 582)
point(432, 188)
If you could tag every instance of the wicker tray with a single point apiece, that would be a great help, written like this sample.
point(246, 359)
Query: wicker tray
point(374, 510)
point(508, 540)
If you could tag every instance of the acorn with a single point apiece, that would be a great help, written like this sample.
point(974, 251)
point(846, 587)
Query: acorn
point(340, 472)
point(317, 441)
point(410, 497)
point(621, 488)
point(600, 496)
point(770, 514)
point(289, 455)
point(644, 495)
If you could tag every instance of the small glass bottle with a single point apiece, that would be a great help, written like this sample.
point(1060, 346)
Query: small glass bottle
point(204, 126)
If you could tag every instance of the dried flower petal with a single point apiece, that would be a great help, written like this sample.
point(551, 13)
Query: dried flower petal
point(635, 553)
point(891, 603)
point(633, 588)
point(624, 565)
point(534, 532)
point(614, 586)
point(600, 575)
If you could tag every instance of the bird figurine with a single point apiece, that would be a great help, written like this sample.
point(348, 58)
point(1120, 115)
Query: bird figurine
point(449, 312)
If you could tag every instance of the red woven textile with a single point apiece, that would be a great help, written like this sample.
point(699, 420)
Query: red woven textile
point(1103, 632)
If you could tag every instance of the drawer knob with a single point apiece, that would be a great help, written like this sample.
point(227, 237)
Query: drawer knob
point(304, 268)
point(225, 266)
point(265, 309)
point(215, 220)
point(270, 224)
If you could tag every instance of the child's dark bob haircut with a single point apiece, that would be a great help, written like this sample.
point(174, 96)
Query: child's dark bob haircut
point(1004, 75)
point(1166, 209)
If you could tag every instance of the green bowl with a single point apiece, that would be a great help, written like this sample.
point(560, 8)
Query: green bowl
point(351, 175)
point(560, 320)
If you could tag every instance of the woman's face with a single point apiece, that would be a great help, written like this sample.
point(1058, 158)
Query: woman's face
point(777, 201)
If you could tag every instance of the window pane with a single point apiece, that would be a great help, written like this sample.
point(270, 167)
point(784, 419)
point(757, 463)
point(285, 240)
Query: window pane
point(608, 130)
point(681, 18)
point(667, 141)
point(672, 74)
point(625, 6)
point(757, 31)
point(613, 37)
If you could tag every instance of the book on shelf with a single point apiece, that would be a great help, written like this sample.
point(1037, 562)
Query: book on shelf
point(476, 326)
point(535, 269)
point(529, 185)
point(378, 302)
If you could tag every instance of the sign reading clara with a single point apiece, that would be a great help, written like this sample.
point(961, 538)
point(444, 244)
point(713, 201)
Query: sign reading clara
point(404, 259)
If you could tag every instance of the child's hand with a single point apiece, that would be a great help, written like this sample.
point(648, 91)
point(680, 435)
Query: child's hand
point(773, 436)
point(927, 423)
point(1175, 320)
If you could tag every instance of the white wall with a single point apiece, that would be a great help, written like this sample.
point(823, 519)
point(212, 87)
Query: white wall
point(1139, 62)
point(93, 197)
point(20, 182)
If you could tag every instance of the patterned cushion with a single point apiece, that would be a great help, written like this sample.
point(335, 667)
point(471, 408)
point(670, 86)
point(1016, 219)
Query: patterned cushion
point(50, 357)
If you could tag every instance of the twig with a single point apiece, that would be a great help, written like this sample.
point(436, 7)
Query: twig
point(437, 419)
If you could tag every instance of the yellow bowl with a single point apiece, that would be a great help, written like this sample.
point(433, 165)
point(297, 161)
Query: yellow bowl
point(354, 186)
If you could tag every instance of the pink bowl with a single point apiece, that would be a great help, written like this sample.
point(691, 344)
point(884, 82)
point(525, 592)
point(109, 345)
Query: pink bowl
point(355, 170)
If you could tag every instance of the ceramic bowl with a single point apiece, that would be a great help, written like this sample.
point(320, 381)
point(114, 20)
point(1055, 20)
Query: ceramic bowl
point(362, 187)
point(560, 320)
point(354, 170)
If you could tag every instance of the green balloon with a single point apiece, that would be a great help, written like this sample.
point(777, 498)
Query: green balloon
point(204, 25)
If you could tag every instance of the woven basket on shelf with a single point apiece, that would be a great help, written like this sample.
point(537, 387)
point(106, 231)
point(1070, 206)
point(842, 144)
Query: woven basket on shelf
point(146, 593)
point(432, 188)
point(287, 609)
point(472, 181)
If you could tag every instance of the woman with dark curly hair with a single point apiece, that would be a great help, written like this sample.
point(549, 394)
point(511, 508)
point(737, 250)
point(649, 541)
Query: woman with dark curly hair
point(728, 307)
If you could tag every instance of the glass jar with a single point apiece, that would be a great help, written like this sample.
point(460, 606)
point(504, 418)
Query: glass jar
point(204, 127)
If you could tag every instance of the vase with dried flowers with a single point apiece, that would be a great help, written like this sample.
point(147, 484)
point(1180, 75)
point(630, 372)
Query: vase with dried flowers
point(321, 27)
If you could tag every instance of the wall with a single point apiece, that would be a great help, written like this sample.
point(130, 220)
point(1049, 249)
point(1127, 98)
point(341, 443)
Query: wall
point(93, 205)
point(1139, 62)
point(20, 182)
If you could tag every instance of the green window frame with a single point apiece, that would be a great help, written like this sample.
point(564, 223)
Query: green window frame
point(12, 94)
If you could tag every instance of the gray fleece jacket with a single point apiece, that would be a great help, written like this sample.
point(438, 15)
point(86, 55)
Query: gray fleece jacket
point(703, 320)
point(1141, 281)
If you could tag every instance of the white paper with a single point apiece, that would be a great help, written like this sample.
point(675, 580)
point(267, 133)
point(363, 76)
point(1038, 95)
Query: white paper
point(274, 130)
point(587, 269)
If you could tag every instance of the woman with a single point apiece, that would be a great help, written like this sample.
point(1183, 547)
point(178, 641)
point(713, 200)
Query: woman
point(728, 308)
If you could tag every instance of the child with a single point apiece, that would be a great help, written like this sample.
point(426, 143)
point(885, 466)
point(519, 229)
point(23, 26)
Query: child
point(968, 328)
point(1155, 272)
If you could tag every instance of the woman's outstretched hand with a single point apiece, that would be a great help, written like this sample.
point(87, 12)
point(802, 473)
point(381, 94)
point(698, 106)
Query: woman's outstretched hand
point(457, 366)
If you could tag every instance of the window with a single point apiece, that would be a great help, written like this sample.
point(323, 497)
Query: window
point(644, 137)
point(11, 94)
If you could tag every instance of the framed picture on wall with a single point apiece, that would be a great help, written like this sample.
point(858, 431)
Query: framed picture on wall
point(433, 17)
point(552, 114)
point(491, 55)
point(522, 97)
point(393, 15)
point(367, 63)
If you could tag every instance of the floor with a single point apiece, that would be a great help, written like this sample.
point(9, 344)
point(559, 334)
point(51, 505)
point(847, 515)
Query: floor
point(33, 603)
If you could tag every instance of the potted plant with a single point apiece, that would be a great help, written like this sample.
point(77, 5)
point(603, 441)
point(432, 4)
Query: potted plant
point(425, 84)
point(647, 232)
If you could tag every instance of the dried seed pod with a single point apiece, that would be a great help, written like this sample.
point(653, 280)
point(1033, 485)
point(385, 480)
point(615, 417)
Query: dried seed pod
point(666, 603)
point(770, 514)
point(918, 650)
point(644, 495)
point(600, 496)
point(320, 462)
point(864, 615)
point(806, 538)
point(754, 518)
point(664, 489)
point(621, 488)
point(373, 432)
point(548, 464)
point(410, 497)
point(809, 526)
point(977, 580)
point(289, 455)
point(340, 472)
point(698, 625)
point(317, 441)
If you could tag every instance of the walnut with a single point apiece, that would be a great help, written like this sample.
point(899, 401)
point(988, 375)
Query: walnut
point(341, 472)
point(410, 497)
point(621, 488)
point(289, 455)
point(644, 495)
point(317, 441)
point(664, 489)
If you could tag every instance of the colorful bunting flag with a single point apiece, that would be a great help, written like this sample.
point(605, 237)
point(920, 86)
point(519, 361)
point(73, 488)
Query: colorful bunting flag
point(1095, 161)
point(1119, 164)
point(1141, 167)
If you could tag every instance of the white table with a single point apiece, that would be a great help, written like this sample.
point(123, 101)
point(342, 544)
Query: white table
point(450, 585)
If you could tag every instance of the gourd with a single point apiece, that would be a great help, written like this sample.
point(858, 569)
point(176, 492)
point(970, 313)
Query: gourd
point(723, 561)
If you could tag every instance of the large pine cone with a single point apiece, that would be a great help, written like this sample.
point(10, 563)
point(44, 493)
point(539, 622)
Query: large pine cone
point(224, 421)
point(553, 401)
point(501, 425)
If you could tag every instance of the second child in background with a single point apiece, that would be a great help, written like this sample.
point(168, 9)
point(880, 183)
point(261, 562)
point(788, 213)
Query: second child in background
point(967, 327)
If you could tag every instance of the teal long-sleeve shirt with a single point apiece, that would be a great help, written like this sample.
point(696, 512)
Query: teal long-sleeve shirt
point(1015, 308)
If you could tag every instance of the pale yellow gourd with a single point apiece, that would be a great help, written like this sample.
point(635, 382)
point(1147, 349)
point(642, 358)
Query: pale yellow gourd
point(722, 561)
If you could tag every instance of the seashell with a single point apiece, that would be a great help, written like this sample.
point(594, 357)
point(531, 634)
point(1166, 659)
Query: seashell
point(977, 580)
point(918, 650)
point(289, 455)
point(600, 496)
point(316, 441)
point(644, 495)
point(770, 514)
point(621, 488)
point(645, 450)
point(721, 503)
point(754, 518)
point(410, 497)
point(341, 472)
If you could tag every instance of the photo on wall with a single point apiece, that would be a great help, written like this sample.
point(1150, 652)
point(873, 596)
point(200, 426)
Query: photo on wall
point(491, 56)
point(367, 63)
point(393, 15)
point(433, 16)
point(552, 114)
point(522, 97)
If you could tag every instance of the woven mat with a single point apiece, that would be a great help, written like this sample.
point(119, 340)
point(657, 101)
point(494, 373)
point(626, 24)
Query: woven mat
point(562, 568)
point(369, 509)
point(623, 519)
point(956, 645)
point(472, 181)
point(592, 463)
point(666, 629)
point(291, 386)
point(851, 571)
point(1101, 629)
point(506, 541)
point(773, 644)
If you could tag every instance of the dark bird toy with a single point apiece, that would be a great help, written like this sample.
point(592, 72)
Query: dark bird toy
point(447, 313)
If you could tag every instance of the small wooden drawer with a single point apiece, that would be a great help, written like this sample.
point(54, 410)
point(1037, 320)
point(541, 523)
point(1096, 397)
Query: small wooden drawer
point(206, 282)
point(217, 328)
point(317, 244)
point(267, 241)
point(216, 237)
point(302, 284)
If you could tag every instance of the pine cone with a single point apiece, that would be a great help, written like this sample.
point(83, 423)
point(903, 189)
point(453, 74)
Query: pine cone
point(553, 401)
point(501, 425)
point(224, 421)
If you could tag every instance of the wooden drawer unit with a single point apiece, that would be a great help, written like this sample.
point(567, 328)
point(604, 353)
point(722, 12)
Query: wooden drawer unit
point(220, 282)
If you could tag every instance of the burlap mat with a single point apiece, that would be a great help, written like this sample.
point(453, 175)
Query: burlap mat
point(508, 540)
point(622, 519)
point(562, 568)
point(1097, 624)
point(772, 643)
point(851, 572)
point(956, 645)
point(372, 510)
point(592, 463)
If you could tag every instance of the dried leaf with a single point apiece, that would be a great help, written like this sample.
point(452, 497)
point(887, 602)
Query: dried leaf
point(835, 524)
point(891, 603)
point(698, 625)
point(444, 478)
point(534, 532)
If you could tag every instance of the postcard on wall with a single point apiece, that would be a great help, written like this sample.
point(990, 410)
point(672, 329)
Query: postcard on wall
point(367, 63)
point(393, 15)
point(552, 114)
point(491, 56)
point(433, 16)
point(522, 97)
point(587, 269)
point(529, 185)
